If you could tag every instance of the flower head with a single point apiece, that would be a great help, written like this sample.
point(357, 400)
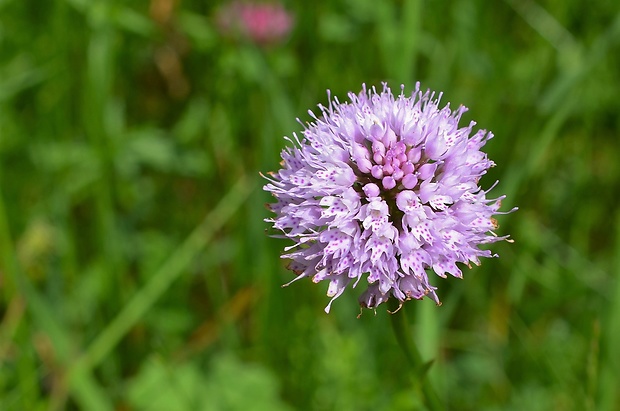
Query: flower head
point(263, 23)
point(384, 187)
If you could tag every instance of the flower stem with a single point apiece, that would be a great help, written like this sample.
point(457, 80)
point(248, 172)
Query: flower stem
point(400, 325)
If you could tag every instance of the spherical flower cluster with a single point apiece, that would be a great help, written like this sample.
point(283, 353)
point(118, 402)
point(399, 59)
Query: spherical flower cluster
point(384, 187)
point(263, 23)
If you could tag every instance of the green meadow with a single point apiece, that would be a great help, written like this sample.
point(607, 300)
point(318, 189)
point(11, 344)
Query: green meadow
point(136, 272)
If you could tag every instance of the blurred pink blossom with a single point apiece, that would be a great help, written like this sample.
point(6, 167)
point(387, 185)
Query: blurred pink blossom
point(263, 23)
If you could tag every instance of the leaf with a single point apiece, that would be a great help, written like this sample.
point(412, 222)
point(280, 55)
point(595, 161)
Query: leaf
point(229, 384)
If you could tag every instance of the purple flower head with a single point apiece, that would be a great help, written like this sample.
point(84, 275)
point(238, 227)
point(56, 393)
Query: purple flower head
point(263, 23)
point(384, 188)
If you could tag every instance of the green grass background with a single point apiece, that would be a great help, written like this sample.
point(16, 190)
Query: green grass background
point(135, 273)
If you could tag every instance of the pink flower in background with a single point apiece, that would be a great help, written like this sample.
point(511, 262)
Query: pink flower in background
point(263, 23)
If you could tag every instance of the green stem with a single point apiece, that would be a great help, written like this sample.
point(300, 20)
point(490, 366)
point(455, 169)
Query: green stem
point(400, 325)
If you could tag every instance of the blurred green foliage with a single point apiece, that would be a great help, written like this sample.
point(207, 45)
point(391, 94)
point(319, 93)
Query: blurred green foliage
point(134, 269)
